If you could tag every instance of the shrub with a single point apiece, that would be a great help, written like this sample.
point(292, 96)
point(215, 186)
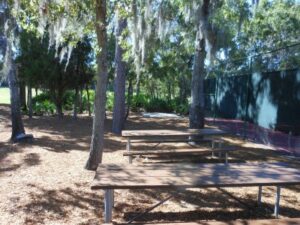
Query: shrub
point(68, 100)
point(179, 107)
point(43, 107)
point(158, 105)
point(139, 101)
point(109, 101)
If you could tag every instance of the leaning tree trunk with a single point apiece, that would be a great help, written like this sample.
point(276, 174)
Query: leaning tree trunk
point(119, 82)
point(97, 143)
point(196, 114)
point(15, 102)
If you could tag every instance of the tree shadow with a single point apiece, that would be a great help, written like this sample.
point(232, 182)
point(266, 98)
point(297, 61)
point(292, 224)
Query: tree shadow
point(59, 203)
point(210, 205)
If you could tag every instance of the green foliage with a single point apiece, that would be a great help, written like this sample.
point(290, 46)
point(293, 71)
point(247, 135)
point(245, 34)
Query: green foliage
point(158, 105)
point(109, 101)
point(42, 104)
point(180, 107)
point(139, 101)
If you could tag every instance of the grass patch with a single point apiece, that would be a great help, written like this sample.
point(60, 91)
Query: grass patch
point(4, 95)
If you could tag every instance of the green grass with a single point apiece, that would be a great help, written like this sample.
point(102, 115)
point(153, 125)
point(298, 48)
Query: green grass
point(4, 96)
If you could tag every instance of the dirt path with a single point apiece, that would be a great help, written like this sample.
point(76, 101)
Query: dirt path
point(45, 183)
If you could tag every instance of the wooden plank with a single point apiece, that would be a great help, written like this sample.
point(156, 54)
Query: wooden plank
point(182, 132)
point(179, 151)
point(193, 172)
point(172, 176)
point(289, 221)
point(171, 140)
point(201, 166)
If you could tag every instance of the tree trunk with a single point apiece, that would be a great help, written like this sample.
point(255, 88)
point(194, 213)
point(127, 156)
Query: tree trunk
point(22, 94)
point(136, 47)
point(129, 97)
point(196, 114)
point(80, 100)
point(120, 81)
point(15, 102)
point(29, 101)
point(97, 143)
point(88, 100)
point(75, 105)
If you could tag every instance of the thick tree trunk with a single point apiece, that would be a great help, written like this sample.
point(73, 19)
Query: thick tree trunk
point(196, 114)
point(97, 143)
point(29, 101)
point(119, 82)
point(136, 48)
point(15, 103)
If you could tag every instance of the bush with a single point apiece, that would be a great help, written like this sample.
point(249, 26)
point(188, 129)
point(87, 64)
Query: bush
point(180, 108)
point(68, 100)
point(109, 101)
point(139, 101)
point(85, 99)
point(42, 104)
point(158, 105)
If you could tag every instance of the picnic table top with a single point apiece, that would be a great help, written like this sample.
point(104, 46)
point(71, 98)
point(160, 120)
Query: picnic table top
point(181, 132)
point(128, 176)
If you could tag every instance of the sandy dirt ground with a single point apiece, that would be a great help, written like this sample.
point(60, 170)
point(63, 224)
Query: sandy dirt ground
point(46, 183)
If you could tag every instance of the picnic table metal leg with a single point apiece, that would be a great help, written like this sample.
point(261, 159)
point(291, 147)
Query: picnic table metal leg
point(259, 195)
point(213, 148)
point(277, 200)
point(220, 146)
point(108, 205)
point(128, 149)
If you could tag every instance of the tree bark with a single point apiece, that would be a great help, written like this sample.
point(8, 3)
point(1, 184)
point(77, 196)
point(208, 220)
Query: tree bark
point(88, 99)
point(136, 48)
point(15, 102)
point(120, 81)
point(196, 114)
point(22, 94)
point(75, 104)
point(97, 143)
point(29, 101)
point(129, 97)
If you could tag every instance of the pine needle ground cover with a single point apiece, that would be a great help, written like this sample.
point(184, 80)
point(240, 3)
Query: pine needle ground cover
point(46, 183)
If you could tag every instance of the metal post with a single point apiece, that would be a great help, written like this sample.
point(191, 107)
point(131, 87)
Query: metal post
point(108, 205)
point(226, 158)
point(213, 148)
point(220, 146)
point(276, 207)
point(128, 150)
point(259, 195)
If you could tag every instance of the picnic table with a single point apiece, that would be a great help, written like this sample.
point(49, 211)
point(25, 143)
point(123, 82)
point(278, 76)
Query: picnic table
point(180, 176)
point(161, 136)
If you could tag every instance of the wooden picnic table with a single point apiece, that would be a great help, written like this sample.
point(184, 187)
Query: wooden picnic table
point(179, 176)
point(160, 136)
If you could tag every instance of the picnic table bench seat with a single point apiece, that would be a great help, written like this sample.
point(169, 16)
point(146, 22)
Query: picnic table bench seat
point(176, 152)
point(288, 221)
point(163, 136)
